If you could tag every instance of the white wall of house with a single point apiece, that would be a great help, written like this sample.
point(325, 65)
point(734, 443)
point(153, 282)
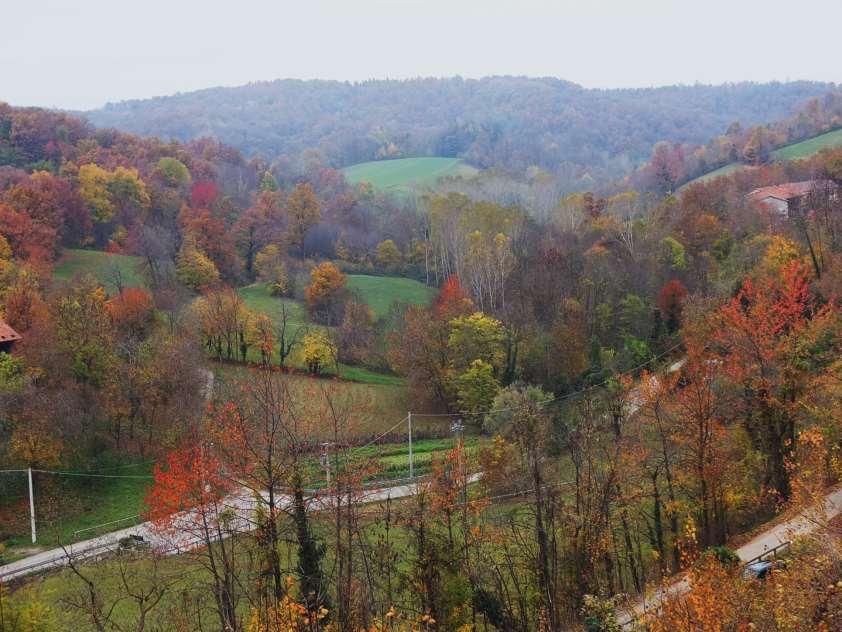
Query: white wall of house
point(776, 204)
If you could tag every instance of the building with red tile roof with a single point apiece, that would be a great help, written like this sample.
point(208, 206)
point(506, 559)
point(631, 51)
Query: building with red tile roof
point(8, 336)
point(787, 199)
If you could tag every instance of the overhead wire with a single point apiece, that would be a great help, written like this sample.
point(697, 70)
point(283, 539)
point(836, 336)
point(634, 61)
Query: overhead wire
point(561, 398)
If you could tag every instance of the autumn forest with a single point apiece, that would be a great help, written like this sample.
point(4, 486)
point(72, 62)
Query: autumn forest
point(573, 364)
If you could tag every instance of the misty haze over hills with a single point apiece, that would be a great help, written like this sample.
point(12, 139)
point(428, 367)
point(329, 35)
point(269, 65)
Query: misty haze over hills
point(505, 122)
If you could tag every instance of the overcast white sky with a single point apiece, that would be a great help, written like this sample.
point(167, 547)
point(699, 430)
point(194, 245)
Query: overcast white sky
point(83, 53)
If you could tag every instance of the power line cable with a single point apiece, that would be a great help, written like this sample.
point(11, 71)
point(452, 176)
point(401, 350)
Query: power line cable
point(561, 398)
point(92, 475)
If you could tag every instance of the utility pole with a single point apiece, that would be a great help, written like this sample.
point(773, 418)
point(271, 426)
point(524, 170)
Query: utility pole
point(31, 505)
point(411, 464)
point(325, 461)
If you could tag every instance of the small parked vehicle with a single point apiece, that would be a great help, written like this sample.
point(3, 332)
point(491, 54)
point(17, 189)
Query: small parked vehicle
point(757, 570)
point(133, 541)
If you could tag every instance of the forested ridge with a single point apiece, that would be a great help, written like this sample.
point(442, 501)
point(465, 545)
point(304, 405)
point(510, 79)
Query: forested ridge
point(505, 122)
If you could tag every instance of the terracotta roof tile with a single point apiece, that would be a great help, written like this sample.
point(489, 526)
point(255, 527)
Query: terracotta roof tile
point(7, 334)
point(785, 191)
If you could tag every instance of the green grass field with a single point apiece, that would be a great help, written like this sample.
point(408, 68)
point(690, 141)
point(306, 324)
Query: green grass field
point(69, 509)
point(725, 170)
point(385, 404)
point(405, 174)
point(809, 147)
point(380, 292)
point(258, 298)
point(100, 265)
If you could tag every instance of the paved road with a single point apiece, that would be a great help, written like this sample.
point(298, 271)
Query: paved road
point(803, 524)
point(242, 503)
point(185, 538)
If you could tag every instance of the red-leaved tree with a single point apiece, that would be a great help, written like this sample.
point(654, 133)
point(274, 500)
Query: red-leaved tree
point(188, 504)
point(762, 337)
point(670, 300)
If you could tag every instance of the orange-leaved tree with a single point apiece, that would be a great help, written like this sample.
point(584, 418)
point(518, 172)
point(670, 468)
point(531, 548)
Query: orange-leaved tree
point(766, 339)
point(188, 504)
point(326, 293)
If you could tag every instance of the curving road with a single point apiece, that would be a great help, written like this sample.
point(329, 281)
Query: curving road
point(805, 523)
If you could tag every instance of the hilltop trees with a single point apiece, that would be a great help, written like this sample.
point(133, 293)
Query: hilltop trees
point(556, 126)
point(674, 163)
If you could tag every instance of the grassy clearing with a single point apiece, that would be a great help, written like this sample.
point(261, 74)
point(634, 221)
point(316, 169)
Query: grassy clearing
point(725, 170)
point(67, 508)
point(100, 265)
point(381, 292)
point(53, 591)
point(378, 292)
point(809, 147)
point(405, 174)
point(258, 299)
point(393, 458)
point(386, 403)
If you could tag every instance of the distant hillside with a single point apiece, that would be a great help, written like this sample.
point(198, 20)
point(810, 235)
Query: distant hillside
point(506, 122)
point(403, 174)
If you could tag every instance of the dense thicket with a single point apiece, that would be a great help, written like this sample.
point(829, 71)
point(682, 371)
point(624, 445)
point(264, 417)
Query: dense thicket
point(507, 122)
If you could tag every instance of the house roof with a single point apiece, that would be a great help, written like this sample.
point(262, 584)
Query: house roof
point(786, 191)
point(7, 334)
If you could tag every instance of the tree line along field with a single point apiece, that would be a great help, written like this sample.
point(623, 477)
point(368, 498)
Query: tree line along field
point(795, 151)
point(380, 293)
point(403, 175)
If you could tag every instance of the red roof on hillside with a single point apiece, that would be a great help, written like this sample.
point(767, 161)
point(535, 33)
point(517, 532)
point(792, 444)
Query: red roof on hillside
point(7, 334)
point(785, 191)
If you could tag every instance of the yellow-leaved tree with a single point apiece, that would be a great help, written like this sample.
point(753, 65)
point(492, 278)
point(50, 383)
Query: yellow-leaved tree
point(317, 352)
point(326, 293)
point(93, 187)
point(194, 268)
